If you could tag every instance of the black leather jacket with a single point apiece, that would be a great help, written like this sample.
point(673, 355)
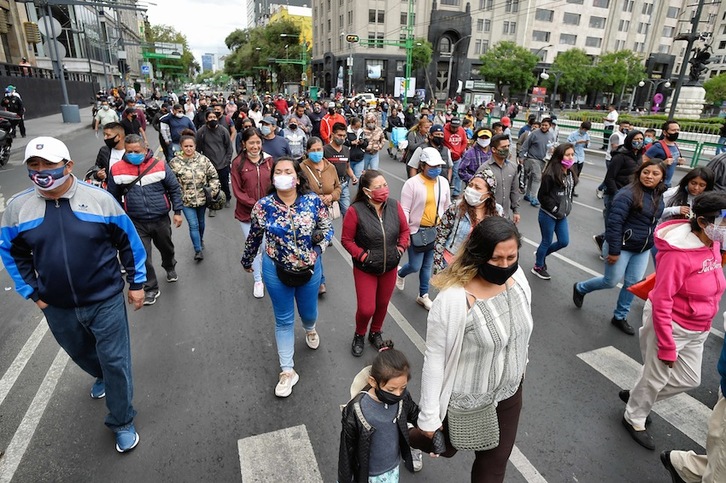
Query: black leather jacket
point(355, 439)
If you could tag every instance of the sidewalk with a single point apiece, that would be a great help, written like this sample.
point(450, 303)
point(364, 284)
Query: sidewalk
point(52, 126)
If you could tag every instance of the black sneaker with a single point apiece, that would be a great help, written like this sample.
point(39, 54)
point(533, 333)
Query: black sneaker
point(541, 272)
point(376, 339)
point(199, 256)
point(151, 296)
point(577, 297)
point(665, 458)
point(171, 276)
point(358, 345)
point(599, 240)
point(623, 325)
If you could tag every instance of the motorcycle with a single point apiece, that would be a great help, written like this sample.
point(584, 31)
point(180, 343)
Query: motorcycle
point(8, 121)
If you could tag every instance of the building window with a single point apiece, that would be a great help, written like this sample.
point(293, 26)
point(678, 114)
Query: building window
point(509, 28)
point(340, 43)
point(722, 44)
point(484, 46)
point(663, 49)
point(628, 5)
point(540, 36)
point(568, 39)
point(668, 31)
point(404, 18)
point(624, 25)
point(445, 45)
point(340, 20)
point(571, 19)
point(643, 28)
point(540, 53)
point(376, 16)
point(480, 25)
point(639, 46)
point(578, 2)
point(449, 2)
point(477, 47)
point(379, 38)
point(511, 6)
point(486, 4)
point(673, 12)
point(350, 17)
point(601, 3)
point(619, 44)
point(330, 45)
point(330, 28)
point(593, 42)
point(481, 47)
point(716, 59)
point(647, 9)
point(597, 22)
point(544, 15)
point(487, 25)
point(400, 65)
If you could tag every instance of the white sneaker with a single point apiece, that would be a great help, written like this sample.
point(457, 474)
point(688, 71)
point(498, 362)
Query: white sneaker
point(417, 457)
point(287, 380)
point(599, 193)
point(424, 301)
point(400, 281)
point(259, 290)
point(312, 339)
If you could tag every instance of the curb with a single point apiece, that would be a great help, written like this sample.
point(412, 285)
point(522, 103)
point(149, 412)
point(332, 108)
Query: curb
point(20, 148)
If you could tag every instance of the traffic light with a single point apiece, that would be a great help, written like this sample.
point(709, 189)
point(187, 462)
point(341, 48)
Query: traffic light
point(352, 39)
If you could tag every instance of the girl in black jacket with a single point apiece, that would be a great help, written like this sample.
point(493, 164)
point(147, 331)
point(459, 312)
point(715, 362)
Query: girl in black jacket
point(555, 197)
point(374, 438)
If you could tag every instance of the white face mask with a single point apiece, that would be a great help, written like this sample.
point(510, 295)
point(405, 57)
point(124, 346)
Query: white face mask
point(716, 233)
point(473, 197)
point(483, 142)
point(284, 181)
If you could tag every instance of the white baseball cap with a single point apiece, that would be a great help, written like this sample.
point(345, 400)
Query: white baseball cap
point(331, 104)
point(48, 148)
point(431, 156)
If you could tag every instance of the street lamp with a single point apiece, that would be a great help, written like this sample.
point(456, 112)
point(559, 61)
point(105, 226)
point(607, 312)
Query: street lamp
point(544, 75)
point(451, 58)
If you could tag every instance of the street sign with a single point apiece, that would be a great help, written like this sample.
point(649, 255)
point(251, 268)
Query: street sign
point(352, 39)
point(145, 69)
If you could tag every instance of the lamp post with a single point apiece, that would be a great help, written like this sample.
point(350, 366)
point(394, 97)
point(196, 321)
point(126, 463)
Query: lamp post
point(544, 75)
point(654, 83)
point(451, 59)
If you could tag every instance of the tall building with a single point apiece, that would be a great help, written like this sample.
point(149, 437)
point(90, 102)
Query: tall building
point(260, 11)
point(208, 62)
point(462, 31)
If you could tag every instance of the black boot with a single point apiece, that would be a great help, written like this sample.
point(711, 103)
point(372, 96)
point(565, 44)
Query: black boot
point(623, 325)
point(357, 346)
point(376, 339)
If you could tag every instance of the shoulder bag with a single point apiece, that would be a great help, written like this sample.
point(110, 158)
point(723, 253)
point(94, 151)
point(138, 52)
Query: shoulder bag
point(423, 240)
point(293, 277)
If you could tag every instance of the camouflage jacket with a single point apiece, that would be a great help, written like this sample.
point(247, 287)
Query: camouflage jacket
point(194, 174)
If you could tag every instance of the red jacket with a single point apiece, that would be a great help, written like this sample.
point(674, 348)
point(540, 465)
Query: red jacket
point(281, 106)
point(455, 141)
point(326, 126)
point(250, 182)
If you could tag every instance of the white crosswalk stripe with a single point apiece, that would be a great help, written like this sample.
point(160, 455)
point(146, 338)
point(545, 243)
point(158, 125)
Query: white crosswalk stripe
point(283, 455)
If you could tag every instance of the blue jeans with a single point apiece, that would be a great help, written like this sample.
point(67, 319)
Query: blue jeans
point(257, 262)
point(195, 220)
point(384, 119)
point(421, 262)
point(371, 161)
point(96, 337)
point(630, 268)
point(283, 305)
point(357, 167)
point(548, 227)
point(721, 148)
point(344, 201)
point(455, 179)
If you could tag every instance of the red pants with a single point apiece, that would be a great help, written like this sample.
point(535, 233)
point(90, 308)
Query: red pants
point(373, 293)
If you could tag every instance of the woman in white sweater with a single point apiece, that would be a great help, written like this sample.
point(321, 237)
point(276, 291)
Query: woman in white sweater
point(476, 351)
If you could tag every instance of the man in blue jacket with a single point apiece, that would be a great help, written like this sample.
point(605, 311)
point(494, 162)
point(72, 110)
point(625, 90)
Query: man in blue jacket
point(147, 188)
point(60, 242)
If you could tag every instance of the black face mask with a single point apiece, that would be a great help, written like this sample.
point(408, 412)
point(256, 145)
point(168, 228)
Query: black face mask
point(293, 126)
point(111, 142)
point(497, 275)
point(213, 123)
point(388, 397)
point(672, 136)
point(331, 111)
point(436, 141)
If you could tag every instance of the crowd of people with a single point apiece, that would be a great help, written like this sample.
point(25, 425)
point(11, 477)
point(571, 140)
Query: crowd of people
point(293, 166)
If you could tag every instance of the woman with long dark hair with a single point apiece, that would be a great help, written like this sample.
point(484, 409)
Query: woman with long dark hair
point(628, 238)
point(679, 199)
point(296, 227)
point(555, 196)
point(375, 233)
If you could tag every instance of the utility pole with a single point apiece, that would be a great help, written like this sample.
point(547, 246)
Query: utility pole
point(409, 47)
point(686, 57)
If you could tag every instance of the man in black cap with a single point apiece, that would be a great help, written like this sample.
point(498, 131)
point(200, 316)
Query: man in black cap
point(274, 145)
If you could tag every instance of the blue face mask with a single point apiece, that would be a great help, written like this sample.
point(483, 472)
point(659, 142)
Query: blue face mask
point(433, 173)
point(265, 130)
point(315, 156)
point(648, 140)
point(134, 158)
point(637, 144)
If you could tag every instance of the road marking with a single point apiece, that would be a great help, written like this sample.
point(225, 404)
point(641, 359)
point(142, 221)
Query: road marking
point(13, 372)
point(682, 411)
point(520, 462)
point(16, 449)
point(593, 208)
point(283, 455)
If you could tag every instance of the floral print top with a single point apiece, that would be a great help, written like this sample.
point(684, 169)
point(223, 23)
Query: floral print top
point(291, 232)
point(194, 174)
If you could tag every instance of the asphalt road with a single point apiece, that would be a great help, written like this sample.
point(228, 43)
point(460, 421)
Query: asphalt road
point(205, 367)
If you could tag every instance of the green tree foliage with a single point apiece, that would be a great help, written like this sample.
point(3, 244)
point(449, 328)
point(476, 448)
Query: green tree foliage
point(615, 70)
point(168, 34)
point(421, 54)
point(509, 64)
point(253, 50)
point(716, 89)
point(574, 68)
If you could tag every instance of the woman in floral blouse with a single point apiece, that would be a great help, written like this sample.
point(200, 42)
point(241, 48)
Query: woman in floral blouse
point(194, 171)
point(296, 227)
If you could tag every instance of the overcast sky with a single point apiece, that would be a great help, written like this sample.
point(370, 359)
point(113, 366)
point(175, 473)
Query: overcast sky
point(206, 23)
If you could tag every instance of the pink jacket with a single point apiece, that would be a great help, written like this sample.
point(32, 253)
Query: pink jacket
point(689, 283)
point(413, 199)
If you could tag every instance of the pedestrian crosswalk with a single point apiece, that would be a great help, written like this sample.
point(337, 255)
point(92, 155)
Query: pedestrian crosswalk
point(282, 455)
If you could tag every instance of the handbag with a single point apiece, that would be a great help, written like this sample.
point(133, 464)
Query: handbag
point(478, 429)
point(334, 210)
point(642, 289)
point(214, 202)
point(423, 240)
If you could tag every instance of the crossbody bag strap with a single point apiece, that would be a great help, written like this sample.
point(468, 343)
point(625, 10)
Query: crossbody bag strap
point(127, 187)
point(320, 183)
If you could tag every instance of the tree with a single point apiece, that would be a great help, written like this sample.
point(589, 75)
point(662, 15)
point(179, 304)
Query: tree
point(574, 67)
point(186, 66)
point(616, 70)
point(716, 89)
point(509, 64)
point(421, 54)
